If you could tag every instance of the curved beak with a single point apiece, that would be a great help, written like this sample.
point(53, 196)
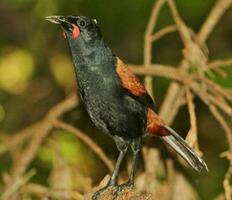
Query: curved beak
point(56, 19)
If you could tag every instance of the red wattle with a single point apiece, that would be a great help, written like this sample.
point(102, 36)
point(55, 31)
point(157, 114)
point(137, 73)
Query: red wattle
point(75, 32)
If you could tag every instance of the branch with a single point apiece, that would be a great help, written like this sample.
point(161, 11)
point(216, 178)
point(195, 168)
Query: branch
point(160, 70)
point(226, 186)
point(87, 140)
point(49, 193)
point(220, 63)
point(191, 137)
point(213, 18)
point(164, 31)
point(181, 27)
point(223, 123)
point(17, 184)
point(12, 142)
point(148, 42)
point(39, 134)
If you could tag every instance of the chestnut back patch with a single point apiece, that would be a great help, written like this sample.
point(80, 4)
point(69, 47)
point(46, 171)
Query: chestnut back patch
point(154, 124)
point(129, 80)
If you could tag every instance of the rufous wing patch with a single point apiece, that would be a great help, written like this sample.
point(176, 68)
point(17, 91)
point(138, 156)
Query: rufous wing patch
point(154, 124)
point(129, 80)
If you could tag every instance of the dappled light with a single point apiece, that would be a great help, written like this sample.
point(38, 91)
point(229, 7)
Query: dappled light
point(16, 70)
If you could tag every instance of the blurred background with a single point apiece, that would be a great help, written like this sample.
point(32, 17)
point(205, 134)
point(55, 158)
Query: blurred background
point(36, 73)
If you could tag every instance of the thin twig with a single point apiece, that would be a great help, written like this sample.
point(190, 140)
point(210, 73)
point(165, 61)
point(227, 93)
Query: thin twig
point(182, 28)
point(220, 103)
point(43, 191)
point(159, 70)
point(192, 137)
point(203, 34)
point(223, 123)
point(148, 42)
point(216, 13)
point(215, 87)
point(17, 184)
point(220, 63)
point(42, 130)
point(12, 142)
point(87, 140)
point(164, 31)
point(169, 112)
point(204, 97)
point(170, 101)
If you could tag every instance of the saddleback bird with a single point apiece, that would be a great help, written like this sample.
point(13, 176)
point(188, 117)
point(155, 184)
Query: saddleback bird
point(115, 99)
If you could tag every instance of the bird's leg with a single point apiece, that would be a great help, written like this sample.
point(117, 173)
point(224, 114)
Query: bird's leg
point(135, 146)
point(113, 179)
point(122, 146)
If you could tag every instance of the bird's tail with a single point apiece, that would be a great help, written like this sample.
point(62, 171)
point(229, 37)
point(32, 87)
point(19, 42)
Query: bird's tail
point(183, 149)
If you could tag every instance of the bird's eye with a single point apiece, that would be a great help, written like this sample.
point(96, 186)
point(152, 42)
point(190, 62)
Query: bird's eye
point(82, 23)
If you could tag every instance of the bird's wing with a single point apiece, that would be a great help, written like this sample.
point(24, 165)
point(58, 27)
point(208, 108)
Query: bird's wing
point(136, 89)
point(133, 85)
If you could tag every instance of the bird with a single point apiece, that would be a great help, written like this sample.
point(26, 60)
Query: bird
point(115, 99)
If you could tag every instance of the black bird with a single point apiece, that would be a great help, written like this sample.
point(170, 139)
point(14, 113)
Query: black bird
point(115, 99)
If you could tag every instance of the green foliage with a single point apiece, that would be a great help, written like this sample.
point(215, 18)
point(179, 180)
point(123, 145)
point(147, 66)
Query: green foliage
point(225, 81)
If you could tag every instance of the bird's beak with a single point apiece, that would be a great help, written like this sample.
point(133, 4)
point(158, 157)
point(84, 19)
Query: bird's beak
point(61, 20)
point(56, 19)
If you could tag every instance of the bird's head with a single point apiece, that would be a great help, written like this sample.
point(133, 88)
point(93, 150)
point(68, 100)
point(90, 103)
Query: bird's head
point(79, 30)
point(85, 39)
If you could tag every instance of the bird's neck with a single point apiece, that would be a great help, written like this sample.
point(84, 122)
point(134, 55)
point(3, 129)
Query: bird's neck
point(93, 64)
point(94, 56)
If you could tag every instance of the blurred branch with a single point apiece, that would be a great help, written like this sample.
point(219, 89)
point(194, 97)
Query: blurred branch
point(164, 31)
point(174, 89)
point(87, 140)
point(160, 70)
point(227, 189)
point(220, 63)
point(223, 123)
point(12, 142)
point(181, 27)
point(17, 184)
point(148, 42)
point(216, 13)
point(191, 137)
point(40, 131)
point(44, 192)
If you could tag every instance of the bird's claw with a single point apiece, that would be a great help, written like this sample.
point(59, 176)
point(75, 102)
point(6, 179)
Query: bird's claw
point(121, 188)
point(99, 193)
point(115, 190)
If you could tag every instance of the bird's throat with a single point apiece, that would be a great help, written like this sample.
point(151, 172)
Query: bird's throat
point(91, 56)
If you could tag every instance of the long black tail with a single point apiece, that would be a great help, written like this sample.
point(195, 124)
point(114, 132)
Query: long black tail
point(184, 150)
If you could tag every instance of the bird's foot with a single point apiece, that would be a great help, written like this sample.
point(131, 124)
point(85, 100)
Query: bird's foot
point(124, 188)
point(100, 193)
point(114, 191)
